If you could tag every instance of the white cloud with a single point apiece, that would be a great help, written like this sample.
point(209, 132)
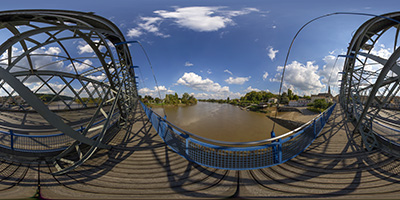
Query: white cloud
point(272, 53)
point(303, 78)
point(150, 25)
point(330, 70)
point(100, 78)
point(203, 19)
point(265, 76)
point(80, 67)
point(134, 32)
point(209, 71)
point(249, 89)
point(229, 72)
point(84, 48)
point(53, 51)
point(231, 95)
point(188, 64)
point(154, 92)
point(197, 82)
point(237, 80)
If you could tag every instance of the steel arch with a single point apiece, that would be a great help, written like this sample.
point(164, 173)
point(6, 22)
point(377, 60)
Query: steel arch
point(370, 79)
point(73, 58)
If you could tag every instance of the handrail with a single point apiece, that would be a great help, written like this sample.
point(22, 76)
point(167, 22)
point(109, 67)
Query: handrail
point(50, 143)
point(225, 155)
point(242, 143)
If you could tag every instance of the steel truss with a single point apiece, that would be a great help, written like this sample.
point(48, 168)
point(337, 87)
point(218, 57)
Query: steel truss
point(71, 57)
point(370, 79)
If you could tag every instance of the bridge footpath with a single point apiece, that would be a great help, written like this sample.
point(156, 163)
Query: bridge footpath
point(141, 166)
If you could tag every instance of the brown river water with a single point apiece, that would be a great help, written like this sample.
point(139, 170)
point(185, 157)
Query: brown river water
point(222, 122)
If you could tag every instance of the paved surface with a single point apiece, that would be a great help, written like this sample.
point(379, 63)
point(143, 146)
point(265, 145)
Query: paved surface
point(141, 166)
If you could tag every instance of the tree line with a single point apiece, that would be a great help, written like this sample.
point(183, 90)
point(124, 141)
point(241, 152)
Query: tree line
point(259, 97)
point(170, 99)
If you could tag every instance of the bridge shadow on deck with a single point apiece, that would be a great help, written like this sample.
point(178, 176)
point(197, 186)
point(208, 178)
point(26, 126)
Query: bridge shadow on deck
point(140, 165)
point(334, 165)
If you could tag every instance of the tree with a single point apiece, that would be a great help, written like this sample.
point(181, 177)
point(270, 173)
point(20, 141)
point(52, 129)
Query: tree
point(290, 94)
point(284, 98)
point(185, 98)
point(320, 103)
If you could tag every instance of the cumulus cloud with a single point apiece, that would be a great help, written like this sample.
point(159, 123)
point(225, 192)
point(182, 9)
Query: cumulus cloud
point(232, 95)
point(154, 92)
point(272, 53)
point(198, 18)
point(249, 89)
point(197, 82)
point(188, 64)
point(80, 67)
point(265, 75)
point(83, 47)
point(229, 72)
point(329, 71)
point(134, 32)
point(303, 77)
point(202, 18)
point(53, 51)
point(99, 78)
point(147, 25)
point(237, 80)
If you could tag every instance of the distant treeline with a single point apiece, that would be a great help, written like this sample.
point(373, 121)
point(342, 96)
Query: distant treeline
point(258, 97)
point(49, 97)
point(170, 99)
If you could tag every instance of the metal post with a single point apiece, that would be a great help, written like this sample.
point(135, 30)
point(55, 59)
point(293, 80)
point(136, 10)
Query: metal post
point(187, 147)
point(315, 129)
point(279, 151)
point(12, 139)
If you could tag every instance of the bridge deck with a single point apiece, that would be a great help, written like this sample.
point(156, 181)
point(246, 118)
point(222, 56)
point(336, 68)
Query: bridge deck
point(141, 166)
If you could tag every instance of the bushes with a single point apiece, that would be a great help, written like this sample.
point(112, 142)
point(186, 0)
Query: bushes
point(319, 105)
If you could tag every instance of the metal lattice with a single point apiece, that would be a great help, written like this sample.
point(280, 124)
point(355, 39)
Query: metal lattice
point(65, 80)
point(370, 81)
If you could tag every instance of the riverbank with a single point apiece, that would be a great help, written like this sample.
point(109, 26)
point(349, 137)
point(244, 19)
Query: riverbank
point(294, 119)
point(168, 105)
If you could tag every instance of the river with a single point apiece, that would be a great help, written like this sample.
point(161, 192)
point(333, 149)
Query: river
point(222, 122)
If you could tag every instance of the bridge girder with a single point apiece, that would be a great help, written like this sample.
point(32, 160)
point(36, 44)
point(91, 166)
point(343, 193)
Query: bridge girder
point(370, 81)
point(66, 53)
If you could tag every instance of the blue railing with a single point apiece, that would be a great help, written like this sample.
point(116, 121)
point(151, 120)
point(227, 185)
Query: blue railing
point(238, 156)
point(44, 143)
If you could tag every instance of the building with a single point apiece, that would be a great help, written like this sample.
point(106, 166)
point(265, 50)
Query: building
point(273, 100)
point(327, 96)
point(299, 103)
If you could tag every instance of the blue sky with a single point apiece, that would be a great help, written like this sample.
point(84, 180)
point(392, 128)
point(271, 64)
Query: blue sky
point(220, 49)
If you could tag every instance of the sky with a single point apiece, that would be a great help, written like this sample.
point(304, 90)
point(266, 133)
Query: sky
point(226, 48)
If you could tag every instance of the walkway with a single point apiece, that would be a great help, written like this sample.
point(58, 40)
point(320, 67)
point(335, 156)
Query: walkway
point(141, 166)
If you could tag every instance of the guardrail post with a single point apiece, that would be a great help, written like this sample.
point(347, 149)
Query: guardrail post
point(279, 151)
point(12, 139)
point(315, 129)
point(187, 147)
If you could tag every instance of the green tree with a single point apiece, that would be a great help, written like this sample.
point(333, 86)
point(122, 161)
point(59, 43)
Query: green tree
point(290, 94)
point(284, 98)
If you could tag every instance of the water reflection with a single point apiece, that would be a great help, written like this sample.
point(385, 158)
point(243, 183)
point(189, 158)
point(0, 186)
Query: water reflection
point(221, 122)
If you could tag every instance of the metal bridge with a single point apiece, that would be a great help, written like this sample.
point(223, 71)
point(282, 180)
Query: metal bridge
point(72, 125)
